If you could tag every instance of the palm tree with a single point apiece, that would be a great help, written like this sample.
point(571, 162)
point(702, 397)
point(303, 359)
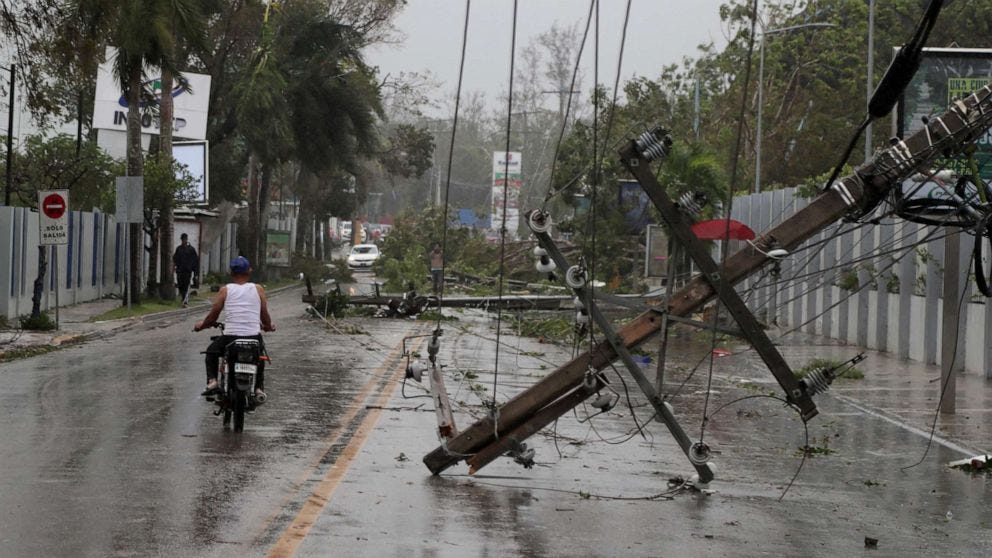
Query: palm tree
point(307, 95)
point(187, 27)
point(144, 32)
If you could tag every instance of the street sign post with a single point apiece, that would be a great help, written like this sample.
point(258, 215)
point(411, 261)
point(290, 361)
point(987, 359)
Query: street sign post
point(53, 206)
point(130, 206)
point(53, 229)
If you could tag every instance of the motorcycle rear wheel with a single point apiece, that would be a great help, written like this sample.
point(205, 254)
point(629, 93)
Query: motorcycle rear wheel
point(240, 402)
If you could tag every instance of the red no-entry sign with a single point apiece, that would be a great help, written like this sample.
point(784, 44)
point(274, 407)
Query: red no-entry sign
point(53, 206)
point(53, 222)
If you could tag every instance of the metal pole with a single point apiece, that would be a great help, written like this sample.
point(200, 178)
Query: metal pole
point(127, 264)
point(757, 133)
point(10, 136)
point(871, 72)
point(951, 334)
point(58, 284)
point(695, 106)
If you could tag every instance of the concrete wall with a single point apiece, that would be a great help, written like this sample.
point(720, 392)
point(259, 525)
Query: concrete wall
point(840, 284)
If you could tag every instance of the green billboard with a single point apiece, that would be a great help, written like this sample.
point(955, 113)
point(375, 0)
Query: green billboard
point(947, 74)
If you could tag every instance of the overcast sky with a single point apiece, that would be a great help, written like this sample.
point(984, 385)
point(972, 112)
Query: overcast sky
point(661, 32)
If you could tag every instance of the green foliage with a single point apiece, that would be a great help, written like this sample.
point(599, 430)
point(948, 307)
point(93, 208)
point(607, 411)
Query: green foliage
point(51, 163)
point(399, 272)
point(848, 281)
point(214, 278)
point(409, 151)
point(405, 251)
point(812, 186)
point(435, 315)
point(822, 449)
point(556, 329)
point(41, 322)
point(339, 271)
point(151, 306)
point(892, 283)
point(332, 303)
point(311, 268)
point(28, 352)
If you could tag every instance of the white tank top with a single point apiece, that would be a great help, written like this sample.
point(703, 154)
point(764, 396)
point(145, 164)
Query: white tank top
point(242, 310)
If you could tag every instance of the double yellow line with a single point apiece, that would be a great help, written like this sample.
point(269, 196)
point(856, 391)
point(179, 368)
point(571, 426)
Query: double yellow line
point(294, 534)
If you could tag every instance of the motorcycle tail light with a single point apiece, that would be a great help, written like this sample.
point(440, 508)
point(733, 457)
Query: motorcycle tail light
point(245, 350)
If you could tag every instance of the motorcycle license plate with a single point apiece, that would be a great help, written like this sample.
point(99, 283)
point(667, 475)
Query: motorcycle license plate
point(244, 368)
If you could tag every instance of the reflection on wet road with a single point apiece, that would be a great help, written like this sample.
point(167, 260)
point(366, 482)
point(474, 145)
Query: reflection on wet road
point(110, 450)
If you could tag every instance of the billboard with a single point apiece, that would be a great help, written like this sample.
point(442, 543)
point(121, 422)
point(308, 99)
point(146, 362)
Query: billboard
point(656, 252)
point(277, 248)
point(195, 155)
point(191, 100)
point(947, 74)
point(506, 172)
point(635, 206)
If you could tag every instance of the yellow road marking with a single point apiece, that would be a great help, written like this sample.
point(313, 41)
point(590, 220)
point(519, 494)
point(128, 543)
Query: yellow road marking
point(294, 534)
point(353, 408)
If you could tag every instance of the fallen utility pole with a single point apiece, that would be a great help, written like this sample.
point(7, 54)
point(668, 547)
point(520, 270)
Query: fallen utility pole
point(442, 405)
point(855, 195)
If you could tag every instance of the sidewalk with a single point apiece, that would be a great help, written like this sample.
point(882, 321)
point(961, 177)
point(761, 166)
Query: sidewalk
point(75, 323)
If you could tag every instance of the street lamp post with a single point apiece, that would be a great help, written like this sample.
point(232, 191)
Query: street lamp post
point(871, 73)
point(761, 79)
point(10, 137)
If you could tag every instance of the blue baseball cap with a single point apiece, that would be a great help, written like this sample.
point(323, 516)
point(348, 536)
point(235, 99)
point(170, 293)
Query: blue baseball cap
point(240, 265)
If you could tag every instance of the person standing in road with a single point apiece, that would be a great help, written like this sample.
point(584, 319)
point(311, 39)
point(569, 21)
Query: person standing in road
point(437, 267)
point(186, 264)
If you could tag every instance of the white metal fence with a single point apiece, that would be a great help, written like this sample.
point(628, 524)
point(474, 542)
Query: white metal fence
point(876, 285)
point(89, 266)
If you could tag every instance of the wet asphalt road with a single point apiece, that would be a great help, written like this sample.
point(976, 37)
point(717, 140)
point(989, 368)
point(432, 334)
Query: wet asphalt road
point(110, 451)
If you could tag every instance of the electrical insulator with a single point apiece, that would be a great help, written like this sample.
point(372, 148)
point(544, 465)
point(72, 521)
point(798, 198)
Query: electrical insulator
point(544, 263)
point(699, 453)
point(692, 203)
point(575, 277)
point(604, 402)
point(415, 370)
point(433, 346)
point(819, 380)
point(539, 221)
point(654, 144)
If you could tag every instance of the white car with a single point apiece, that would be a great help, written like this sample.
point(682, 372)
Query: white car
point(363, 256)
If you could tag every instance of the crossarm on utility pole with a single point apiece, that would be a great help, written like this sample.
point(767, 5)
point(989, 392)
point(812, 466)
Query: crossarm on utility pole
point(639, 166)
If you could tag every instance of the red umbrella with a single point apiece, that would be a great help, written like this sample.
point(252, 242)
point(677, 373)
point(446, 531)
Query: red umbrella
point(717, 229)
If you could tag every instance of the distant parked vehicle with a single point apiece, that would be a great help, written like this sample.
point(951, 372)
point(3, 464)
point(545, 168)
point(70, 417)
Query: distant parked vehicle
point(363, 256)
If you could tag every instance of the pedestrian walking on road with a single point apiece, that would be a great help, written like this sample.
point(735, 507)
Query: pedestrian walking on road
point(437, 267)
point(186, 264)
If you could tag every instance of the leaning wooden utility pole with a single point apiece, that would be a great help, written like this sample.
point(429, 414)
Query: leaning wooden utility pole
point(857, 194)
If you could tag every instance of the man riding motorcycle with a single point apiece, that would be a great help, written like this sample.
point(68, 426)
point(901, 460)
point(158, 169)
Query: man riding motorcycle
point(245, 309)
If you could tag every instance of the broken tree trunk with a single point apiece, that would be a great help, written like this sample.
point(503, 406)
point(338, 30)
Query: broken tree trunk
point(859, 193)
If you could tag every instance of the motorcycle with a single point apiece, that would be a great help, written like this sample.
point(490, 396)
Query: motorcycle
point(239, 365)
